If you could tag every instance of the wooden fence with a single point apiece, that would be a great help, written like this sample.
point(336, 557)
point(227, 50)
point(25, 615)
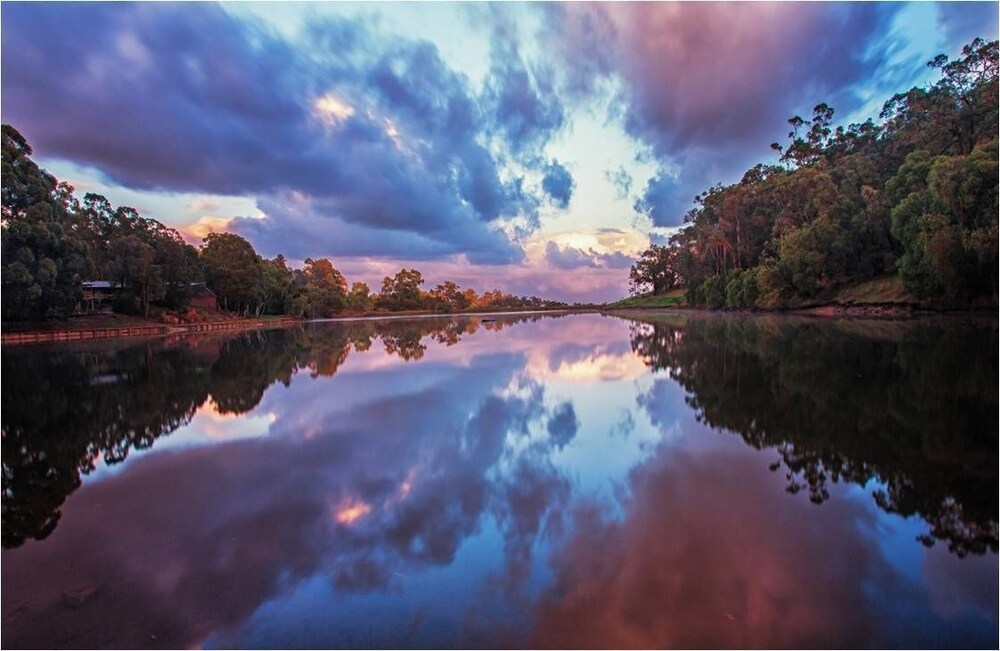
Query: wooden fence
point(14, 338)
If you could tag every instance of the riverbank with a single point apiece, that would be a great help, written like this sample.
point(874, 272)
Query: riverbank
point(132, 327)
point(114, 326)
point(883, 297)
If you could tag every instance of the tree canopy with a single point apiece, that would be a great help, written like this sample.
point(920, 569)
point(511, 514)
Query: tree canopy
point(53, 243)
point(914, 195)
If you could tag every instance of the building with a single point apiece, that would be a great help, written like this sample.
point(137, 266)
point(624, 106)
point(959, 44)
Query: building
point(203, 298)
point(98, 296)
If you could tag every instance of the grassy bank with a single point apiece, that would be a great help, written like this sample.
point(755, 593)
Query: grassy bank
point(886, 290)
point(673, 298)
point(882, 295)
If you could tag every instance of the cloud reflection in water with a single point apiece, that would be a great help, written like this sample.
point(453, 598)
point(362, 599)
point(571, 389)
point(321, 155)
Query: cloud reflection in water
point(443, 502)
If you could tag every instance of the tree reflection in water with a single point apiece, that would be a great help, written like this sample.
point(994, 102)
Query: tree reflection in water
point(549, 483)
point(68, 408)
point(912, 405)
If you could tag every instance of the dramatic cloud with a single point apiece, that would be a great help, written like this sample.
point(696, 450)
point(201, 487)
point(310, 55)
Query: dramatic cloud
point(376, 133)
point(355, 135)
point(659, 201)
point(558, 183)
point(571, 258)
point(291, 228)
point(523, 102)
point(709, 85)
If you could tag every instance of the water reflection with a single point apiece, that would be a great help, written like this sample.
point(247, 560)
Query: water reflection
point(528, 482)
point(912, 405)
point(711, 554)
point(67, 408)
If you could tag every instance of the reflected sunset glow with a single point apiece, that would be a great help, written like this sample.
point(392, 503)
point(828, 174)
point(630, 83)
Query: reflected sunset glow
point(547, 473)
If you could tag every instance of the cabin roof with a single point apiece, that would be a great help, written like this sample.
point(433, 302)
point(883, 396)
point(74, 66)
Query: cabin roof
point(101, 284)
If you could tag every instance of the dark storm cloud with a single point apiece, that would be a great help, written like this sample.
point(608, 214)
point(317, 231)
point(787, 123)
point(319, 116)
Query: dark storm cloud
point(377, 133)
point(558, 183)
point(154, 101)
point(573, 258)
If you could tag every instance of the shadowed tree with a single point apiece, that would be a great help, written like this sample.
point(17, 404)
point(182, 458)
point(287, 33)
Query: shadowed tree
point(131, 263)
point(234, 271)
point(656, 269)
point(44, 256)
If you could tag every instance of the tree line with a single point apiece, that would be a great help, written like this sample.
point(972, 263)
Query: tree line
point(52, 243)
point(914, 194)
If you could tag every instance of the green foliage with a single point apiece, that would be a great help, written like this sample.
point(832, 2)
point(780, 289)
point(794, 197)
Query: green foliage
point(44, 259)
point(279, 295)
point(741, 290)
point(359, 299)
point(656, 269)
point(916, 194)
point(713, 292)
point(448, 297)
point(52, 243)
point(234, 271)
point(132, 264)
point(325, 287)
point(815, 257)
point(946, 221)
point(401, 292)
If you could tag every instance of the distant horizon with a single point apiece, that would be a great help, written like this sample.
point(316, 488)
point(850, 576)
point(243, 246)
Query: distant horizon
point(535, 148)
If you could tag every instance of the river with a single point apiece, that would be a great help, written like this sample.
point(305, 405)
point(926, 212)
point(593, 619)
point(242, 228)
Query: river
point(549, 481)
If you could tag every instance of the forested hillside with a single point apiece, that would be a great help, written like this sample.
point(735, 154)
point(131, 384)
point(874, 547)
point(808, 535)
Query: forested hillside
point(914, 194)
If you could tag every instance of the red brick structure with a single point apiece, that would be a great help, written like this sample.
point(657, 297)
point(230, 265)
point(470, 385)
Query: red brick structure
point(204, 299)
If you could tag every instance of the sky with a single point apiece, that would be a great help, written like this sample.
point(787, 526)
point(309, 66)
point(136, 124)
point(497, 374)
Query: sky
point(533, 147)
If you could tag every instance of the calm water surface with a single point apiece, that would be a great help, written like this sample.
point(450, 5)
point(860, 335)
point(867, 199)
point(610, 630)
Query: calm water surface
point(575, 481)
